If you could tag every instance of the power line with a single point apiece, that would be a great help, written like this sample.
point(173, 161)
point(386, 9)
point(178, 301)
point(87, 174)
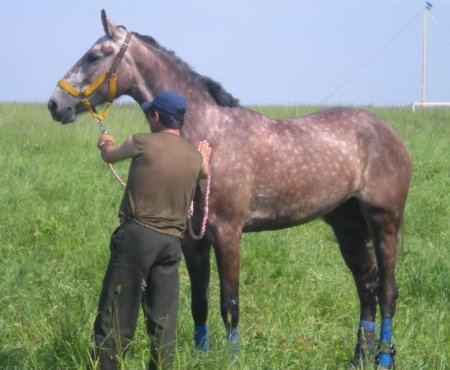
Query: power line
point(440, 27)
point(370, 59)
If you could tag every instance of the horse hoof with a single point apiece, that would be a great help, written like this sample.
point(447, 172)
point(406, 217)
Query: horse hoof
point(365, 349)
point(234, 360)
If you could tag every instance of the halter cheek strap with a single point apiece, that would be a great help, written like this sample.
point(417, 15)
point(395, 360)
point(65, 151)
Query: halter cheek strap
point(110, 76)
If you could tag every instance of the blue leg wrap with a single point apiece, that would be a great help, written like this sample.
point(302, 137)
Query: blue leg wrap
point(201, 338)
point(385, 357)
point(386, 330)
point(365, 346)
point(367, 325)
point(233, 339)
point(233, 336)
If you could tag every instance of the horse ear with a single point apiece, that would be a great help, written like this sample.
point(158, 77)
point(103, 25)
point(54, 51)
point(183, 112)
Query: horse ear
point(111, 30)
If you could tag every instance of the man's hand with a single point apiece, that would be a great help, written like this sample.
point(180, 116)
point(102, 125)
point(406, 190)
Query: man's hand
point(103, 139)
point(205, 150)
point(111, 153)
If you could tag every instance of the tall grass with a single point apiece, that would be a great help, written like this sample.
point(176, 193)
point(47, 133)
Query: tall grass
point(299, 308)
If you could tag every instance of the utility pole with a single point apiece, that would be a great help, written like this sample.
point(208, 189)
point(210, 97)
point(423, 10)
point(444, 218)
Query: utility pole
point(424, 49)
point(423, 103)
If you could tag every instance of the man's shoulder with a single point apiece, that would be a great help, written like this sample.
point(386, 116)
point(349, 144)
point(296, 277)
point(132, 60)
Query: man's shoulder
point(165, 142)
point(141, 136)
point(176, 141)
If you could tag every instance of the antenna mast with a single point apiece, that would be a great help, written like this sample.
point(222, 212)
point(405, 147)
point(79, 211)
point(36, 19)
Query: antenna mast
point(424, 49)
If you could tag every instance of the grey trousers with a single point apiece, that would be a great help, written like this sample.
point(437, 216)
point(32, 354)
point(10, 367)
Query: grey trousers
point(142, 270)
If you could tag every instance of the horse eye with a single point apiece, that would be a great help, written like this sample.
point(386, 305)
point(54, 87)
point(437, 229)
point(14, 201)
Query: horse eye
point(92, 57)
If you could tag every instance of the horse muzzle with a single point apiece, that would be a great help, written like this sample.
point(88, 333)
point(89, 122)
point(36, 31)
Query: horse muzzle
point(61, 113)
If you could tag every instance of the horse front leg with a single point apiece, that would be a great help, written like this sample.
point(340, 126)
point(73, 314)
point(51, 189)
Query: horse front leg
point(197, 257)
point(227, 242)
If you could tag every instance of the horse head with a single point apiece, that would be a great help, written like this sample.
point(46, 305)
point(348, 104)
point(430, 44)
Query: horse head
point(92, 80)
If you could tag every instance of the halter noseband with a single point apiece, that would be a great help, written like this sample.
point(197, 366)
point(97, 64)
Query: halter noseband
point(109, 76)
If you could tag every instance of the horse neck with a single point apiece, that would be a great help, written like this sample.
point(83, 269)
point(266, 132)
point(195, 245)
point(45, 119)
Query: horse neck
point(156, 71)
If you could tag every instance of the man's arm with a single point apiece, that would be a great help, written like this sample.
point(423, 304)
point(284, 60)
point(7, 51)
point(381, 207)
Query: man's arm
point(205, 150)
point(111, 153)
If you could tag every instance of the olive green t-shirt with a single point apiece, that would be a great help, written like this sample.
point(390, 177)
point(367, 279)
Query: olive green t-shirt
point(161, 182)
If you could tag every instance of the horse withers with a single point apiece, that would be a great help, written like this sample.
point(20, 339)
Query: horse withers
point(344, 165)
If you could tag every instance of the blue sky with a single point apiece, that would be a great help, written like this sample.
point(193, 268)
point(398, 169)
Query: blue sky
point(263, 52)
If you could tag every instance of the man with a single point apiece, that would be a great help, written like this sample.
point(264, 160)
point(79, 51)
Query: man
point(145, 248)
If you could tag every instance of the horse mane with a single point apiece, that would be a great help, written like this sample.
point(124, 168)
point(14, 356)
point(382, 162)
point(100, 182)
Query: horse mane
point(214, 88)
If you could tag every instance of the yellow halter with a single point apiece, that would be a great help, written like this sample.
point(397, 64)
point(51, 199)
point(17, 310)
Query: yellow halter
point(109, 76)
point(83, 95)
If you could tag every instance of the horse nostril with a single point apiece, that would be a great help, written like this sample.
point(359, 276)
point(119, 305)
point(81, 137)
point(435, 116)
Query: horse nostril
point(52, 106)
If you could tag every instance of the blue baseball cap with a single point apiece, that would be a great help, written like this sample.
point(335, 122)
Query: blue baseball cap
point(169, 102)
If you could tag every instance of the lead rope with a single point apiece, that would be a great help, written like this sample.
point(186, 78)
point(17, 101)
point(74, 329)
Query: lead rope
point(102, 130)
point(205, 214)
point(116, 175)
point(191, 206)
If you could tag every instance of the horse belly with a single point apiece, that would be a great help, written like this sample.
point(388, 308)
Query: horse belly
point(294, 204)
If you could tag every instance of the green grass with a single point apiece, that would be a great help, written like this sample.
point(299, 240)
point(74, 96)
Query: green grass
point(299, 308)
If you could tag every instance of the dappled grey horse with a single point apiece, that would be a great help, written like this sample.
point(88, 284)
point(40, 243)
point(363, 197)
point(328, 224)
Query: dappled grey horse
point(344, 165)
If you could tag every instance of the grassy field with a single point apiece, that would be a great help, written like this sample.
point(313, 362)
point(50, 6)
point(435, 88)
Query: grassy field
point(299, 307)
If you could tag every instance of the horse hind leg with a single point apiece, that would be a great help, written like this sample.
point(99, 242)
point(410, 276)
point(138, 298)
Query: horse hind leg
point(226, 242)
point(353, 234)
point(385, 224)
